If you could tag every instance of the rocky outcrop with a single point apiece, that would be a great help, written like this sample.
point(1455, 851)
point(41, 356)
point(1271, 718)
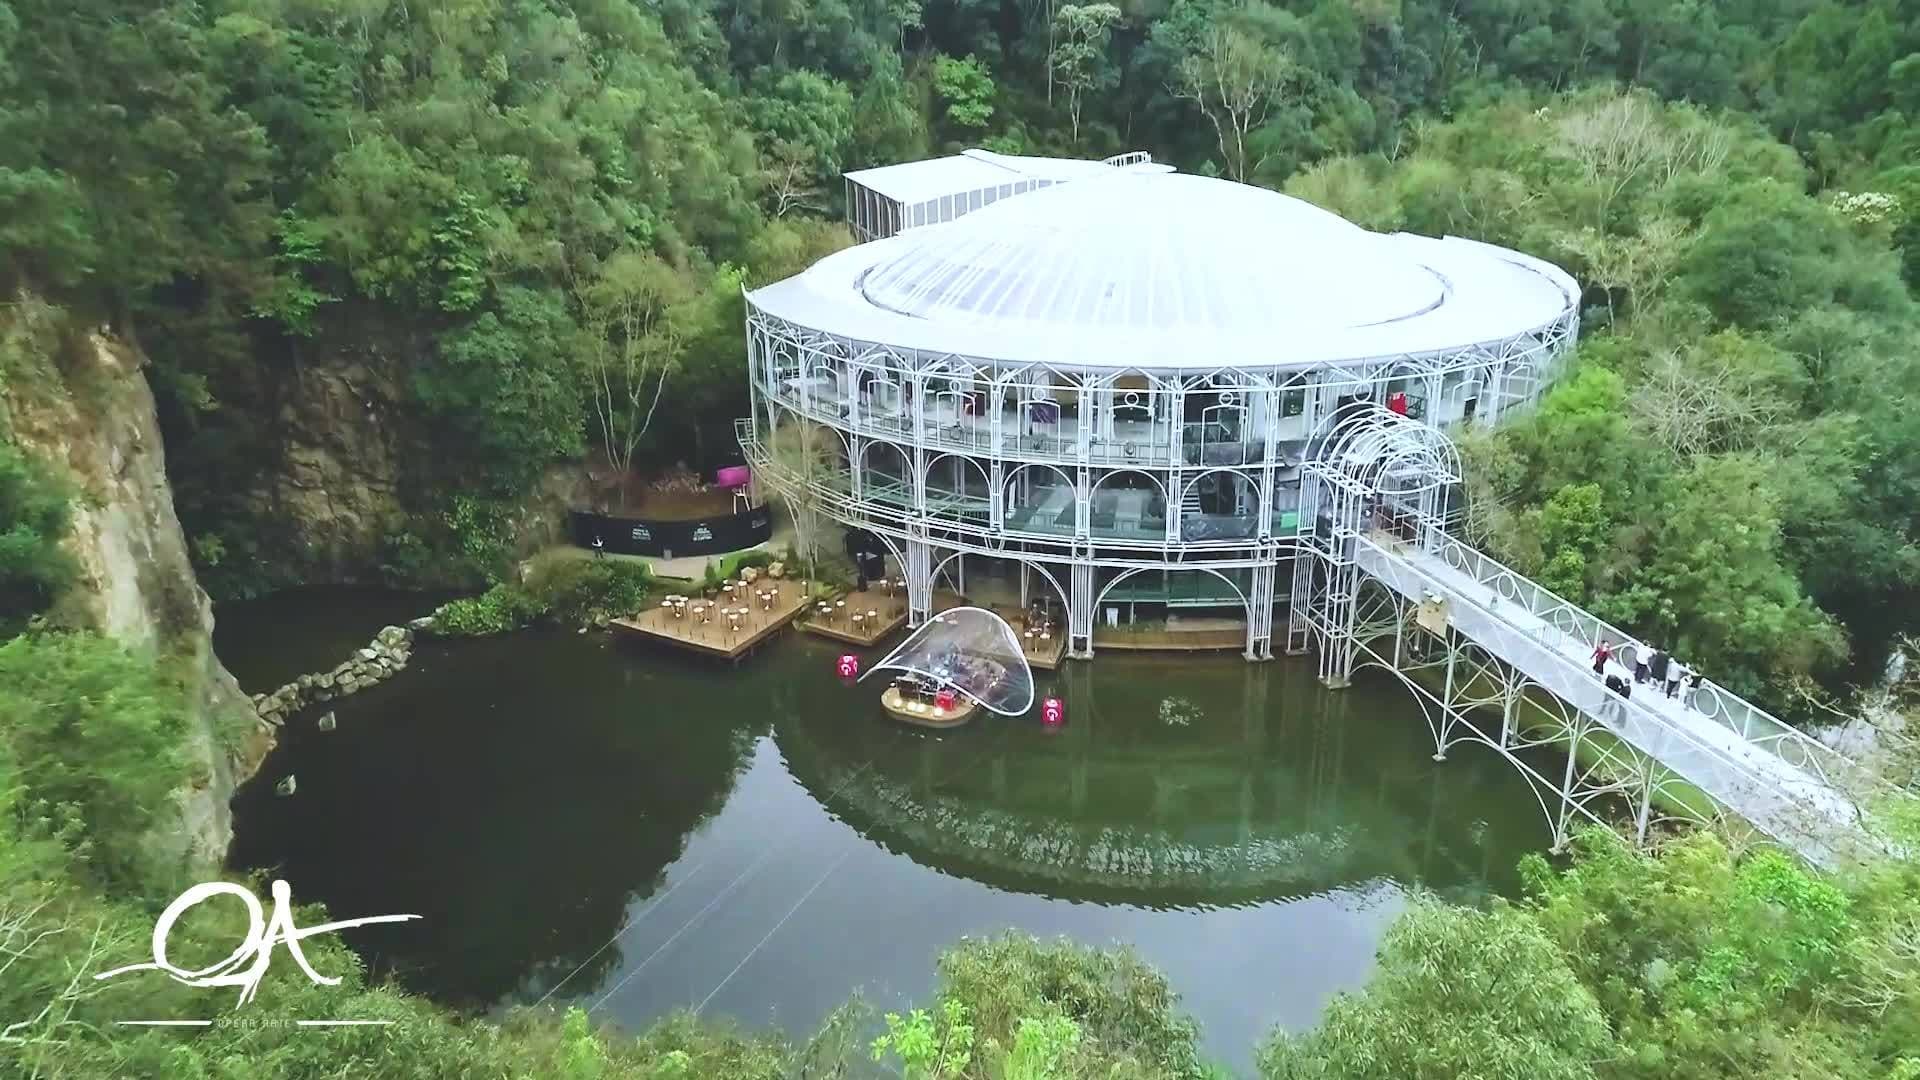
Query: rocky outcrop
point(354, 455)
point(78, 398)
point(337, 485)
point(384, 657)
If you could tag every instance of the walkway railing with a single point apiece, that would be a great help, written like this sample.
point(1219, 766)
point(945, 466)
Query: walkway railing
point(1797, 807)
point(1710, 700)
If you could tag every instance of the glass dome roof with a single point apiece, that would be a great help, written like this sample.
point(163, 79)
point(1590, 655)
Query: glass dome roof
point(1153, 251)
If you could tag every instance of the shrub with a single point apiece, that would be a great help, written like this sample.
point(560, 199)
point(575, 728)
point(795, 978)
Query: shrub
point(582, 592)
point(92, 734)
point(504, 607)
point(576, 592)
point(33, 519)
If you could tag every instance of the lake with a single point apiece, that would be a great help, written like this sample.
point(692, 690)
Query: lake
point(579, 821)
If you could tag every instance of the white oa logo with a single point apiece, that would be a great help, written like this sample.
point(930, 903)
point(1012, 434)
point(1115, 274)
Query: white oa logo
point(263, 935)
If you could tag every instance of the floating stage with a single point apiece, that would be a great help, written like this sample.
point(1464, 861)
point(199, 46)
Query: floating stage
point(863, 617)
point(709, 630)
point(911, 709)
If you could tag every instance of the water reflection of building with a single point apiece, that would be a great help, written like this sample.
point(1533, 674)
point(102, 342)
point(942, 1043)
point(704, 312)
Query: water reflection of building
point(1236, 798)
point(1106, 375)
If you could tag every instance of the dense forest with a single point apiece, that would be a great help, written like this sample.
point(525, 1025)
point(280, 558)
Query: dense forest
point(489, 205)
point(477, 199)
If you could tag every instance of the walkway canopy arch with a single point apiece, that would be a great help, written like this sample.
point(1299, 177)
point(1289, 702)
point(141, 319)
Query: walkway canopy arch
point(1368, 450)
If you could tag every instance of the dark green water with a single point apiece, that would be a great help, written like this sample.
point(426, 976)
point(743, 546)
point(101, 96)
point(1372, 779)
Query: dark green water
point(637, 832)
point(270, 642)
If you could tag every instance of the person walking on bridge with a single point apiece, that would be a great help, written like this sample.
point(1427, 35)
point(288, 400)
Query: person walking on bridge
point(1640, 665)
point(1675, 672)
point(1601, 654)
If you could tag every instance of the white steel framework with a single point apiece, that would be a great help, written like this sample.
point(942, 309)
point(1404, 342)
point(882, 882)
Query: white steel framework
point(1021, 384)
point(1079, 408)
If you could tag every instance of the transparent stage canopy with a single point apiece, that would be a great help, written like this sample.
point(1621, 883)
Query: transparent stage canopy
point(973, 651)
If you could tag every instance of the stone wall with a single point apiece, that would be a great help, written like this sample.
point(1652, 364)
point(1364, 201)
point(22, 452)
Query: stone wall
point(384, 657)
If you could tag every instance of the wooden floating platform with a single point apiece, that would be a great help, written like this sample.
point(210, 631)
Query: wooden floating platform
point(893, 615)
point(715, 638)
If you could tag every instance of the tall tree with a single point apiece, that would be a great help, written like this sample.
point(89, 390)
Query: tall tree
point(1235, 80)
point(1079, 57)
point(634, 315)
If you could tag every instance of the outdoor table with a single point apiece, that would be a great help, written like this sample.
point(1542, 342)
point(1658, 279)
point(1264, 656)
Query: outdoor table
point(858, 619)
point(733, 619)
point(872, 614)
point(766, 599)
point(837, 605)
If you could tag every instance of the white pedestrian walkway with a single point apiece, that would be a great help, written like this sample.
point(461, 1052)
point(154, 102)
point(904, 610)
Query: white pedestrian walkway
point(1786, 784)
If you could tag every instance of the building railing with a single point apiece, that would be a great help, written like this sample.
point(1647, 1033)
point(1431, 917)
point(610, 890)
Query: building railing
point(1133, 444)
point(890, 500)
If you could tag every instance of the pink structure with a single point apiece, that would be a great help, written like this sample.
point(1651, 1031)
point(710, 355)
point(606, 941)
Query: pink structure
point(733, 476)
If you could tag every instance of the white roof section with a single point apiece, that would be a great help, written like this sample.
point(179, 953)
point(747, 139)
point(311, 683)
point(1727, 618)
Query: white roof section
point(973, 170)
point(1148, 269)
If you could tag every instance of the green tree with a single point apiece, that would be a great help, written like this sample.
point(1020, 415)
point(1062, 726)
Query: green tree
point(1236, 81)
point(1079, 59)
point(635, 315)
point(1456, 993)
point(965, 88)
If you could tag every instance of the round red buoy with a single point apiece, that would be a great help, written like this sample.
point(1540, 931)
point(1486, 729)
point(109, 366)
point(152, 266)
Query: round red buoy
point(848, 666)
point(1053, 712)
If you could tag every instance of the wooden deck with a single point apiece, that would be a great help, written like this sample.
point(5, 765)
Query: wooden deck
point(893, 615)
point(1043, 653)
point(715, 638)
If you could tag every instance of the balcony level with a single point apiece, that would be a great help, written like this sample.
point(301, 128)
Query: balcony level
point(1116, 426)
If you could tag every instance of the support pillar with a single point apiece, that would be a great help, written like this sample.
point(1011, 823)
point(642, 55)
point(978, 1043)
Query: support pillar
point(1080, 598)
point(1260, 614)
point(919, 581)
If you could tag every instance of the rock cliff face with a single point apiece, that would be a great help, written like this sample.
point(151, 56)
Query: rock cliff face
point(78, 398)
point(339, 415)
point(352, 458)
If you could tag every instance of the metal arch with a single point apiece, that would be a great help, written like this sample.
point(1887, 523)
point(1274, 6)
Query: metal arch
point(986, 480)
point(1195, 476)
point(1363, 443)
point(1245, 602)
point(906, 459)
point(1093, 488)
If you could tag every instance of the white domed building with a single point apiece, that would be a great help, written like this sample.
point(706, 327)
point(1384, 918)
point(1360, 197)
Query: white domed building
point(1102, 378)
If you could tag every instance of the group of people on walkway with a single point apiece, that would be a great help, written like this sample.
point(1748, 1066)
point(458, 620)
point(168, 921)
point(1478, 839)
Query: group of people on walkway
point(1659, 667)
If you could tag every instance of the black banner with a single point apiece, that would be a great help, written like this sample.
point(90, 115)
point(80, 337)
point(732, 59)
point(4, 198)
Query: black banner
point(672, 539)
